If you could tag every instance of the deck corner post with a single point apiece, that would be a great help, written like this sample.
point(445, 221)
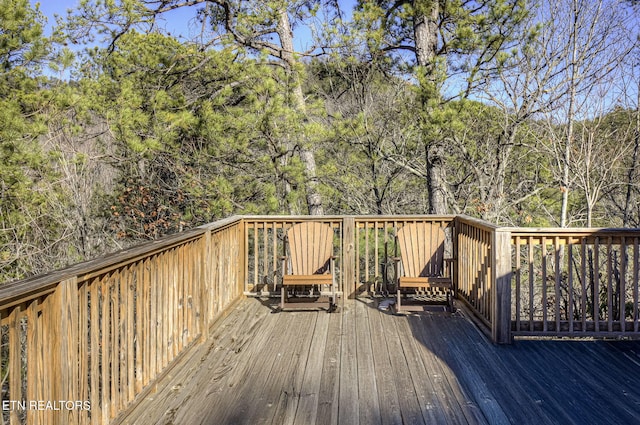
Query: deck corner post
point(205, 285)
point(242, 249)
point(349, 257)
point(501, 306)
point(63, 328)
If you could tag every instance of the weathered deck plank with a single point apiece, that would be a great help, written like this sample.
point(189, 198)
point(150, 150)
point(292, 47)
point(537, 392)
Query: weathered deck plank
point(348, 376)
point(327, 412)
point(429, 334)
point(368, 401)
point(407, 397)
point(309, 390)
point(385, 377)
point(365, 366)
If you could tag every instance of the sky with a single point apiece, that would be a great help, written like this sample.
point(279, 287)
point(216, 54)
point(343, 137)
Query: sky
point(177, 22)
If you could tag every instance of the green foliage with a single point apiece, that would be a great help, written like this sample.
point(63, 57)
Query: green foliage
point(199, 135)
point(148, 134)
point(22, 46)
point(27, 221)
point(372, 124)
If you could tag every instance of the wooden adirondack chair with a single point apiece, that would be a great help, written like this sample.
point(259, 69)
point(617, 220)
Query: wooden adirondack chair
point(421, 263)
point(308, 267)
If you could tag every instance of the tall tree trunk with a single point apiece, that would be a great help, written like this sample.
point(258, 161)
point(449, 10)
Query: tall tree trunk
point(425, 32)
point(635, 163)
point(314, 199)
point(565, 185)
point(436, 179)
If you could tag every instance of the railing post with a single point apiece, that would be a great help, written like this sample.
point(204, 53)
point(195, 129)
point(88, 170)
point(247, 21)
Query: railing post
point(241, 264)
point(63, 331)
point(501, 291)
point(349, 257)
point(205, 285)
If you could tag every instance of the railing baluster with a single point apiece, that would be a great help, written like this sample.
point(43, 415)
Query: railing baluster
point(274, 249)
point(123, 338)
point(545, 322)
point(105, 328)
point(142, 325)
point(154, 331)
point(15, 360)
point(570, 291)
point(518, 277)
point(531, 282)
point(114, 344)
point(96, 352)
point(558, 280)
point(636, 282)
point(596, 285)
point(623, 284)
point(34, 383)
point(174, 286)
point(165, 315)
point(376, 255)
point(131, 322)
point(583, 280)
point(367, 255)
point(181, 296)
point(610, 289)
point(265, 256)
point(256, 255)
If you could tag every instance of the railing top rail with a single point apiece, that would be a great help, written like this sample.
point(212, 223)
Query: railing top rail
point(477, 222)
point(24, 290)
point(596, 231)
point(405, 217)
point(34, 287)
point(341, 217)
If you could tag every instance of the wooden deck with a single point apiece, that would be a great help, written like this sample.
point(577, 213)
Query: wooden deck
point(361, 365)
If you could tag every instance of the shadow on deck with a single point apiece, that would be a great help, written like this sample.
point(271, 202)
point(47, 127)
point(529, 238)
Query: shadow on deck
point(365, 366)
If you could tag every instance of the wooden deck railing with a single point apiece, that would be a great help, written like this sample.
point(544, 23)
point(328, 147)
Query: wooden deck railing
point(375, 246)
point(80, 345)
point(575, 282)
point(84, 344)
point(363, 246)
point(483, 272)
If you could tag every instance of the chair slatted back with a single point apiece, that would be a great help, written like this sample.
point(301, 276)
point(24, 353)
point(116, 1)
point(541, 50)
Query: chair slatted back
point(422, 249)
point(310, 247)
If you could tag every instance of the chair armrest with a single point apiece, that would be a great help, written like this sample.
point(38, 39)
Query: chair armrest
point(397, 267)
point(448, 266)
point(285, 266)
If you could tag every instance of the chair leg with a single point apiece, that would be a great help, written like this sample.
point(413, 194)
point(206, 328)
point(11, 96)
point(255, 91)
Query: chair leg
point(398, 302)
point(282, 296)
point(333, 302)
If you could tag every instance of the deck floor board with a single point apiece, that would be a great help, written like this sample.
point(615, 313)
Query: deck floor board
point(368, 400)
point(328, 394)
point(362, 365)
point(457, 407)
point(384, 374)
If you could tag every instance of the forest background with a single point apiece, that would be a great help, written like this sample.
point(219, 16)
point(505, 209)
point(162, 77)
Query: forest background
point(125, 120)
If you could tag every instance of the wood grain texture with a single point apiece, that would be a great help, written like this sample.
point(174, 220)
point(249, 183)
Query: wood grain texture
point(421, 264)
point(110, 330)
point(422, 368)
point(309, 264)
